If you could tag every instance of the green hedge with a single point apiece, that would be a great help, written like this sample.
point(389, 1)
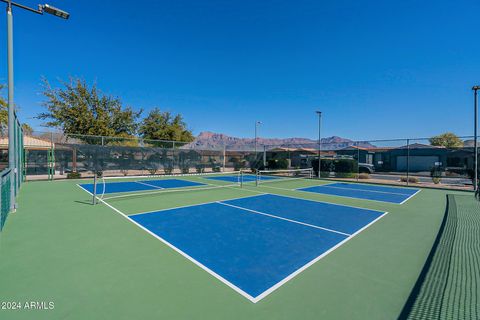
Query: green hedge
point(275, 164)
point(342, 167)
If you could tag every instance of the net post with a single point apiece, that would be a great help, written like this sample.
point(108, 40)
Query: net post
point(94, 188)
point(257, 176)
point(241, 178)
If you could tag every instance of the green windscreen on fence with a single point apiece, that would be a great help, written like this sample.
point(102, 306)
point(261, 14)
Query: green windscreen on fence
point(12, 176)
point(5, 192)
point(418, 162)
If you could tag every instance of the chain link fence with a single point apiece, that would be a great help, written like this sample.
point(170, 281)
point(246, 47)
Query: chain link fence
point(400, 161)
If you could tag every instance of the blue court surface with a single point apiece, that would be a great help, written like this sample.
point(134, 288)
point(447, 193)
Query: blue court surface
point(255, 244)
point(132, 186)
point(235, 178)
point(365, 191)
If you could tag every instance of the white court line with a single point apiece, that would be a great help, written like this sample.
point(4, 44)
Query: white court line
point(84, 189)
point(318, 201)
point(192, 205)
point(228, 283)
point(410, 196)
point(335, 195)
point(194, 188)
point(161, 176)
point(281, 218)
point(147, 184)
point(366, 190)
point(205, 268)
point(306, 266)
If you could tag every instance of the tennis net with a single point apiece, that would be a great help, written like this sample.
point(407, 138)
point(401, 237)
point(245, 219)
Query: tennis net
point(267, 176)
point(109, 188)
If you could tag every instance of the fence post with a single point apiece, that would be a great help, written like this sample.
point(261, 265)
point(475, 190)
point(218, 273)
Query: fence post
point(264, 156)
point(50, 158)
point(224, 158)
point(408, 162)
point(358, 160)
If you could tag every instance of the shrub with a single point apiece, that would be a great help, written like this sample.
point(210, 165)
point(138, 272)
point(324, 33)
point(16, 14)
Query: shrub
point(217, 169)
point(436, 174)
point(346, 166)
point(152, 170)
point(256, 166)
point(184, 166)
point(238, 164)
point(74, 175)
point(277, 164)
point(410, 179)
point(200, 168)
point(364, 176)
point(168, 166)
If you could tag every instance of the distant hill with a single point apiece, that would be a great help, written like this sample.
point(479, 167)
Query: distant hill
point(210, 141)
point(470, 143)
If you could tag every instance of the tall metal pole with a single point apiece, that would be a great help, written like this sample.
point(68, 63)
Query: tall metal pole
point(256, 129)
point(475, 142)
point(408, 162)
point(11, 111)
point(255, 142)
point(12, 145)
point(319, 141)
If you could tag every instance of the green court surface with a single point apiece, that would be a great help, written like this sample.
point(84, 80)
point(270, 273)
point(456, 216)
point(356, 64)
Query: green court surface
point(95, 264)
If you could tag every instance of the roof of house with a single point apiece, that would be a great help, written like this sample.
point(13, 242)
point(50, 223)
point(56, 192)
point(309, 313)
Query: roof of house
point(29, 142)
point(283, 149)
point(420, 146)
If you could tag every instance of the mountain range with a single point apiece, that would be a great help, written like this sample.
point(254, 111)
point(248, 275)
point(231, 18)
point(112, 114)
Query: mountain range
point(214, 141)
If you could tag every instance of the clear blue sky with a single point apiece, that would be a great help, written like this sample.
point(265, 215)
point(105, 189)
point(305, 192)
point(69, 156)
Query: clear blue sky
point(377, 69)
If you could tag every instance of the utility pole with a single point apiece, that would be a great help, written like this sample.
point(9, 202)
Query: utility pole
point(319, 142)
point(45, 8)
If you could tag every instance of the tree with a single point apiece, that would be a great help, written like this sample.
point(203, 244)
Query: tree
point(79, 109)
point(27, 130)
point(447, 140)
point(160, 125)
point(3, 111)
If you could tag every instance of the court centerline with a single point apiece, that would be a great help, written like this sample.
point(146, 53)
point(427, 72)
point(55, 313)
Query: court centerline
point(193, 205)
point(147, 184)
point(286, 219)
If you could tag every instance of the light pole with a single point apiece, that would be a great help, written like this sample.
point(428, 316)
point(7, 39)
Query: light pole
point(11, 108)
point(257, 123)
point(475, 134)
point(319, 141)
